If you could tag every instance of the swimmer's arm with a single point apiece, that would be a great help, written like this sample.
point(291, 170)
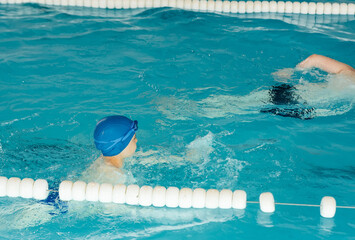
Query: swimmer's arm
point(327, 64)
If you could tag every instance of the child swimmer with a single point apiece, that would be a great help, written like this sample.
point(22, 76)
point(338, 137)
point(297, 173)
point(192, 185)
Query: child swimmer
point(115, 137)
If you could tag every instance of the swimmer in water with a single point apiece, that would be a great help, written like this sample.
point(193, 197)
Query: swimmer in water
point(286, 94)
point(115, 137)
point(305, 100)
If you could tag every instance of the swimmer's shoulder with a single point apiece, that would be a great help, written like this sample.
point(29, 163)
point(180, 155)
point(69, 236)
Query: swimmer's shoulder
point(101, 172)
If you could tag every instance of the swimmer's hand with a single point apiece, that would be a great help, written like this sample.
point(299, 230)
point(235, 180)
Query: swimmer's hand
point(326, 64)
point(283, 75)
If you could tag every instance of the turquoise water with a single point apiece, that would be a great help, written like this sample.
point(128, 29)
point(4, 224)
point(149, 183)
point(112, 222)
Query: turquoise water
point(196, 82)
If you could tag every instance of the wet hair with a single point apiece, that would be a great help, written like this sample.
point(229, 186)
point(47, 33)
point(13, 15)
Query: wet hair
point(289, 103)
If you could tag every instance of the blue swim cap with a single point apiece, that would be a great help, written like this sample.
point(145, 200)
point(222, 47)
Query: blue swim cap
point(113, 134)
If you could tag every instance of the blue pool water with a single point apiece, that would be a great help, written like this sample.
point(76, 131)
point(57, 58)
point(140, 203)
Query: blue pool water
point(196, 82)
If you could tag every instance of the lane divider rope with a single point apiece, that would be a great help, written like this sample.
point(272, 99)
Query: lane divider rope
point(242, 7)
point(158, 196)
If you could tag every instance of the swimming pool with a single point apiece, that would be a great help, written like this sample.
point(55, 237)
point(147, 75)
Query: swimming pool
point(196, 83)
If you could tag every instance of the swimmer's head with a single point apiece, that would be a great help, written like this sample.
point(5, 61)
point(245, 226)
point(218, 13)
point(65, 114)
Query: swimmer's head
point(116, 135)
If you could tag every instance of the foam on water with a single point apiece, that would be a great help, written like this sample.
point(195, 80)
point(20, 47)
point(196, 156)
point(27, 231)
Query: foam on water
point(20, 214)
point(200, 156)
point(200, 149)
point(333, 97)
point(215, 106)
point(197, 151)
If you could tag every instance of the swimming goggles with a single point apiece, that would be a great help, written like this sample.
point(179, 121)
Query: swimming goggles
point(133, 128)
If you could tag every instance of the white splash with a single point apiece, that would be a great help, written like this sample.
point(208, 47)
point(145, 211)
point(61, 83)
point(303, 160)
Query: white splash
point(200, 148)
point(197, 150)
point(333, 97)
point(21, 214)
